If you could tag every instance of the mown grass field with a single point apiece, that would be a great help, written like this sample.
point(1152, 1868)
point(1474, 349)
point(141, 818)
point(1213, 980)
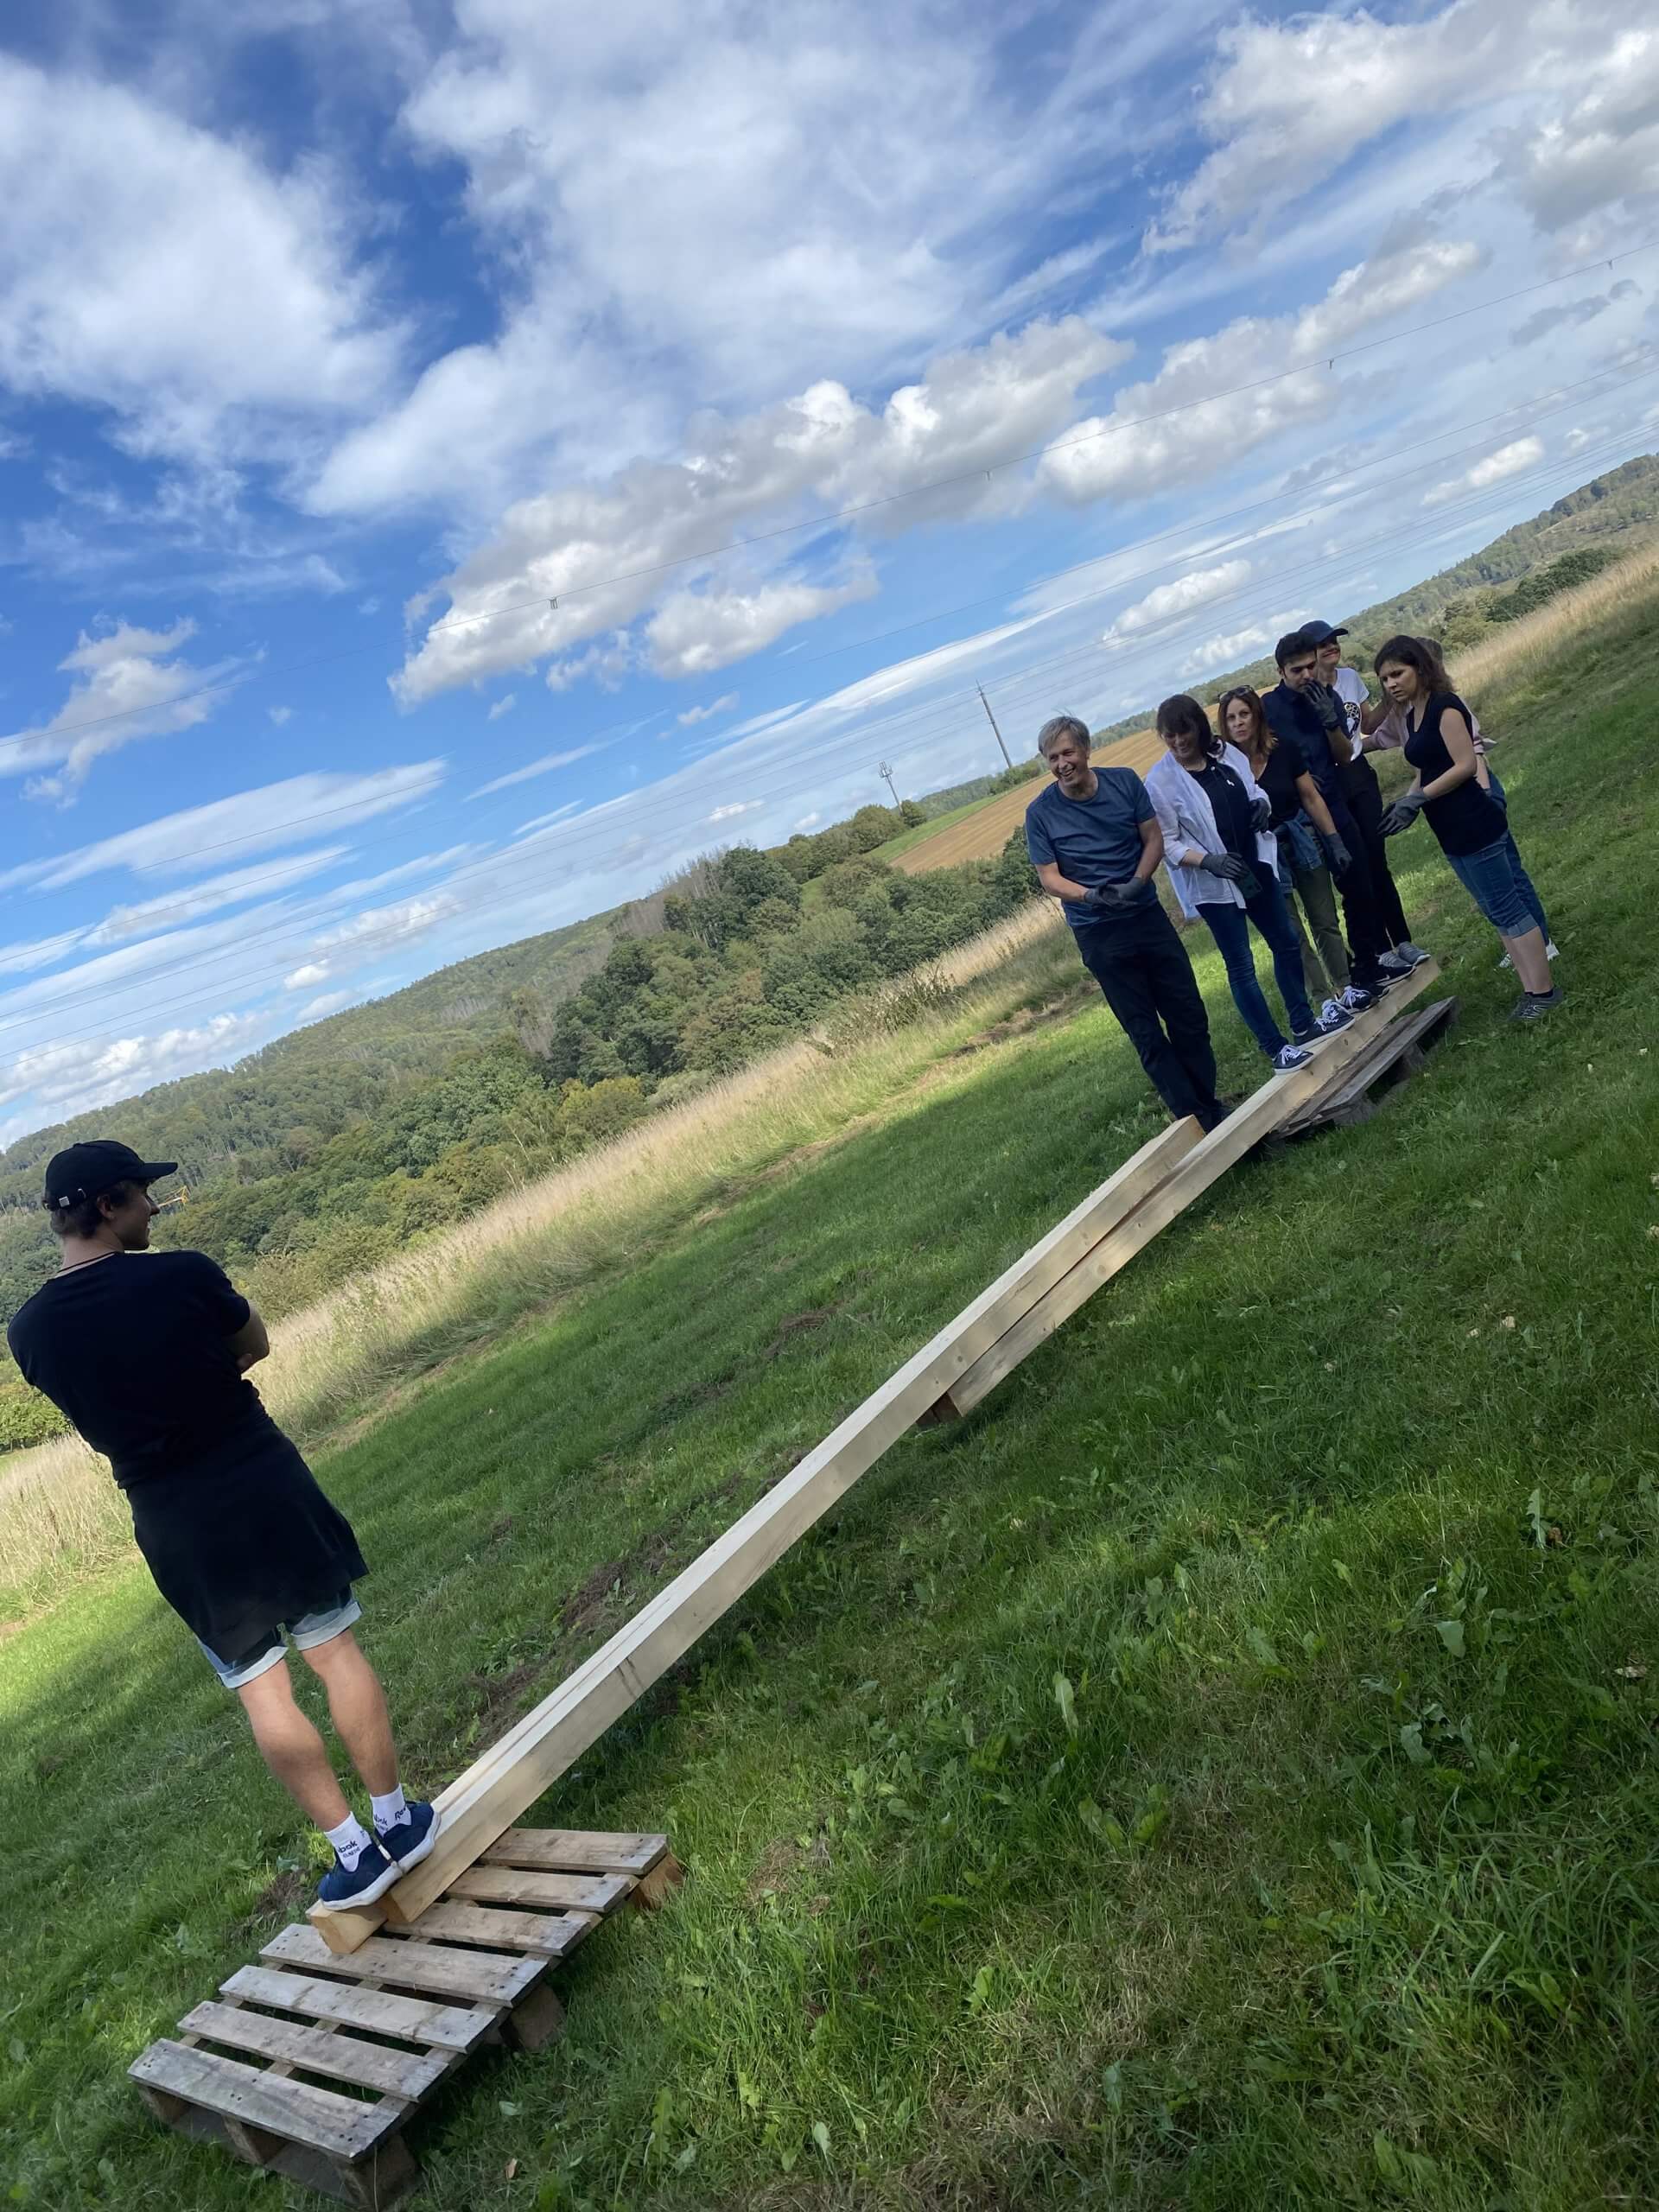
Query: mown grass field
point(979, 831)
point(1221, 1773)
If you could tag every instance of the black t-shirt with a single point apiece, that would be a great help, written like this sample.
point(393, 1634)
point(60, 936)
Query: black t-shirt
point(1230, 804)
point(136, 1352)
point(1278, 777)
point(1465, 820)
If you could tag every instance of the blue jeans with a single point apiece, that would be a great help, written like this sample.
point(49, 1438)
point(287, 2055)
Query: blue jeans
point(1523, 882)
point(1229, 926)
point(1494, 881)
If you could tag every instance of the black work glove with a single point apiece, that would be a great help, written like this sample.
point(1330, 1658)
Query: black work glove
point(1337, 855)
point(1404, 811)
point(1327, 705)
point(1225, 864)
point(1261, 813)
point(1112, 898)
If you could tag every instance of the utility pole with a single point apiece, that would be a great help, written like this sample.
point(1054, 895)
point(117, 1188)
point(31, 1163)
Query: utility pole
point(991, 718)
point(887, 774)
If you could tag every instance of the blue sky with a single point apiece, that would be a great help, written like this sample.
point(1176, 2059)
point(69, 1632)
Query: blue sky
point(427, 433)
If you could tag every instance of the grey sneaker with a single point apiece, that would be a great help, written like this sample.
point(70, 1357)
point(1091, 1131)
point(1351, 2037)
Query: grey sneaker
point(1396, 964)
point(1532, 1004)
point(1413, 955)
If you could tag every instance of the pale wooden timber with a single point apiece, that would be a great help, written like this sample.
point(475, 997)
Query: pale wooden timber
point(484, 1802)
point(489, 1977)
point(1348, 1098)
point(404, 2074)
point(445, 2027)
point(1265, 1110)
point(293, 2110)
point(486, 1885)
point(575, 1851)
point(548, 1935)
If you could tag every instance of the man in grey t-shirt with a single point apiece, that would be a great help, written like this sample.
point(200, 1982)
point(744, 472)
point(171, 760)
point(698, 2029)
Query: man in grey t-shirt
point(1094, 840)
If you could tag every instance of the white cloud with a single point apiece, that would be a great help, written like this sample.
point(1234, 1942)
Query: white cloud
point(807, 821)
point(127, 683)
point(729, 813)
point(150, 268)
point(280, 714)
point(189, 904)
point(503, 706)
point(307, 976)
point(1128, 454)
point(72, 1075)
point(1601, 148)
point(694, 633)
point(328, 1002)
point(1508, 460)
point(1231, 651)
point(379, 927)
point(257, 821)
point(1168, 601)
point(695, 714)
point(532, 769)
point(531, 591)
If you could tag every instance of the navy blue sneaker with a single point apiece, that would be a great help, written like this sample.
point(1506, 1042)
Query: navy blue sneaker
point(344, 1887)
point(414, 1835)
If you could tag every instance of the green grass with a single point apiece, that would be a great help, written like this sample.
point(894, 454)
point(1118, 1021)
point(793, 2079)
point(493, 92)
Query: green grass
point(1220, 1773)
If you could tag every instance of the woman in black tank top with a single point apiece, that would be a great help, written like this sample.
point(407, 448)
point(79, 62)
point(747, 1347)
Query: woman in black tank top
point(1470, 827)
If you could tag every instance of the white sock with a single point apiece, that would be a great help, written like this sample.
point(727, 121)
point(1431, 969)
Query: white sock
point(351, 1839)
point(389, 1809)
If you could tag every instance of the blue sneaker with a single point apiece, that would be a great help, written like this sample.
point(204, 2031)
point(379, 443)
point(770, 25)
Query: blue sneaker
point(344, 1887)
point(413, 1837)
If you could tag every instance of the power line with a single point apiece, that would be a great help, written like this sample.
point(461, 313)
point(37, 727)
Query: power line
point(911, 492)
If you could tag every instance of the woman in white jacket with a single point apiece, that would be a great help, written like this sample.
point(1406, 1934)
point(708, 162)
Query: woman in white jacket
point(1222, 860)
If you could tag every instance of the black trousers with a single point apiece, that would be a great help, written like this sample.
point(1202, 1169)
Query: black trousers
point(1355, 886)
point(1142, 969)
point(1365, 801)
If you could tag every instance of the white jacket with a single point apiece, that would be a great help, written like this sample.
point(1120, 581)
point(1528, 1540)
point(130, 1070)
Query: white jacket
point(1188, 822)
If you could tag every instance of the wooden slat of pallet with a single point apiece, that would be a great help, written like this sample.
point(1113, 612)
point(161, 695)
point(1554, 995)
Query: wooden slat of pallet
point(490, 1977)
point(404, 2074)
point(446, 2027)
point(596, 1893)
point(1264, 1111)
point(1345, 1097)
point(482, 1803)
point(341, 2127)
point(577, 1851)
point(548, 1935)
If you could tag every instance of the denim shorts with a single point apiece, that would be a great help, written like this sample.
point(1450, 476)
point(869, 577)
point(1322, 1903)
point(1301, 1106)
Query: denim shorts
point(1489, 877)
point(311, 1629)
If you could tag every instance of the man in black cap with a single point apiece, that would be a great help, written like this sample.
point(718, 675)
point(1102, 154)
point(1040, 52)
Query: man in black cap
point(147, 1356)
point(1364, 794)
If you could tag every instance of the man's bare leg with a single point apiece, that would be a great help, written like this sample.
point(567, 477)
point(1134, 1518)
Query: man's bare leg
point(292, 1749)
point(357, 1705)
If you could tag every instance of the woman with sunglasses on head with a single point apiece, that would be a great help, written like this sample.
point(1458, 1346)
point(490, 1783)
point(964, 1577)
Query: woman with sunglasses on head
point(1308, 845)
point(1472, 828)
point(1221, 857)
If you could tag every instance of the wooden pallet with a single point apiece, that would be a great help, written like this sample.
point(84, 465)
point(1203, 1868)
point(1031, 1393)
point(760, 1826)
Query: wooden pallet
point(1396, 1053)
point(385, 2025)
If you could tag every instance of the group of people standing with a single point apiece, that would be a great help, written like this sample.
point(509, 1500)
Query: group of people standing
point(1277, 808)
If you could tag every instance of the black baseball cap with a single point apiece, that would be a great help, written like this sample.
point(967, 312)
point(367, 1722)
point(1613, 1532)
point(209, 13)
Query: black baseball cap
point(81, 1170)
point(1320, 634)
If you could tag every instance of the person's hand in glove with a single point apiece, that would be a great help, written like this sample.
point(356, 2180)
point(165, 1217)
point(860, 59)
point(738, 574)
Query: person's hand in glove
point(1404, 811)
point(1261, 811)
point(1327, 705)
point(1112, 898)
point(1224, 865)
point(1337, 856)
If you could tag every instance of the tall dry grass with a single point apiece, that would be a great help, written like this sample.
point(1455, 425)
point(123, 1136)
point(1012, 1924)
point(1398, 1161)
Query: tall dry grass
point(1521, 650)
point(60, 1512)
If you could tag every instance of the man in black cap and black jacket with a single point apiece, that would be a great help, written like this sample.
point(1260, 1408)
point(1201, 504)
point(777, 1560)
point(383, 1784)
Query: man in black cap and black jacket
point(147, 1355)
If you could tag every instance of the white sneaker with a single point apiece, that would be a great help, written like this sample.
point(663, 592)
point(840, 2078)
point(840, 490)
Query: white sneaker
point(1551, 951)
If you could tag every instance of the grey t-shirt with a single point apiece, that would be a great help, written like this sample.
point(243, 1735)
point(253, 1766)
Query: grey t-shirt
point(1092, 840)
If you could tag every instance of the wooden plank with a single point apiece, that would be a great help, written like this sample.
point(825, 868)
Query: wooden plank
point(405, 2074)
point(341, 2127)
point(490, 1977)
point(482, 1803)
point(548, 1935)
point(1403, 1040)
point(577, 1851)
point(1263, 1112)
point(445, 2027)
point(597, 1893)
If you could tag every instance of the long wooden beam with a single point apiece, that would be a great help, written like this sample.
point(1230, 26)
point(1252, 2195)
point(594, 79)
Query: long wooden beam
point(482, 1803)
point(1266, 1110)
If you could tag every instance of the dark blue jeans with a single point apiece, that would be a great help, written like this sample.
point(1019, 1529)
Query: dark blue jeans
point(1141, 967)
point(1230, 928)
point(1523, 882)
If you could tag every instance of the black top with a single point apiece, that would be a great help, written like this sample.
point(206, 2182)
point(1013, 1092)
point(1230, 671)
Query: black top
point(1277, 776)
point(1229, 802)
point(1465, 820)
point(135, 1350)
point(1292, 713)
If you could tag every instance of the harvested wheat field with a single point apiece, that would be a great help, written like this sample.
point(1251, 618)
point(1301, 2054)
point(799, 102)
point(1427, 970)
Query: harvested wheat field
point(983, 834)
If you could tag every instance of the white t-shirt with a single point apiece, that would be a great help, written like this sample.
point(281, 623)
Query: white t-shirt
point(1350, 688)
